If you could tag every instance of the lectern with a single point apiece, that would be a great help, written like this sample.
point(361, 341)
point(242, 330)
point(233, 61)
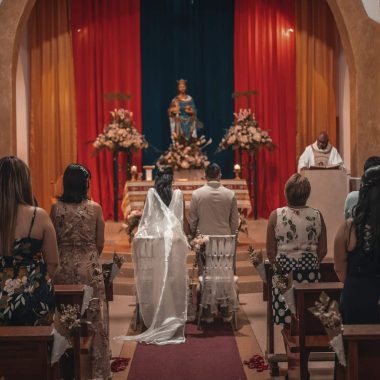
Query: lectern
point(329, 189)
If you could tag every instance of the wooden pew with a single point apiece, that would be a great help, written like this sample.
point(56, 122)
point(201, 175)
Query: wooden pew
point(327, 275)
point(306, 333)
point(362, 343)
point(25, 353)
point(73, 295)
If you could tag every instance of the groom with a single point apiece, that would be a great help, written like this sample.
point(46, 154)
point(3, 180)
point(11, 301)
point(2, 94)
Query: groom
point(213, 208)
point(213, 211)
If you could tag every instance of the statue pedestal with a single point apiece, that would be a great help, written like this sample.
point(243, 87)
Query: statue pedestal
point(189, 175)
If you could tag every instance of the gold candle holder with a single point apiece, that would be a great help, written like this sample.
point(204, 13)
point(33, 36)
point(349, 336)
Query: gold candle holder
point(237, 170)
point(134, 172)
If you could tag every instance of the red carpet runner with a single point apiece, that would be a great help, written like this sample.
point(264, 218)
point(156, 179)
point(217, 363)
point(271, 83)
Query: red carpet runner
point(208, 355)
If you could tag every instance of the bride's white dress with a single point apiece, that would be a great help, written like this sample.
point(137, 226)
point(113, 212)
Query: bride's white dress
point(159, 253)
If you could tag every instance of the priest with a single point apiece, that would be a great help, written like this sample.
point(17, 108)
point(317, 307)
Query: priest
point(320, 154)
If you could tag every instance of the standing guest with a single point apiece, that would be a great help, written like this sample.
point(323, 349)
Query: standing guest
point(213, 208)
point(357, 255)
point(296, 240)
point(28, 251)
point(353, 196)
point(321, 154)
point(79, 225)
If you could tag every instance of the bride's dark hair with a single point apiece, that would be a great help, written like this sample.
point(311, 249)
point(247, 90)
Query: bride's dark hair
point(163, 184)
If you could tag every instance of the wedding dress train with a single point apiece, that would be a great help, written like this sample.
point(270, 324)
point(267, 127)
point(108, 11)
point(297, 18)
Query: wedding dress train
point(159, 254)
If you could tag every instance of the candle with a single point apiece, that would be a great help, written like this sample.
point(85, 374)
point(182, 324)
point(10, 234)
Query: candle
point(237, 167)
point(133, 169)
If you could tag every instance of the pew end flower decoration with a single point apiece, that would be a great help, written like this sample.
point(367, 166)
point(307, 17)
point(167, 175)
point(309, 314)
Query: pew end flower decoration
point(111, 269)
point(132, 221)
point(284, 283)
point(70, 318)
point(257, 260)
point(120, 134)
point(327, 311)
point(245, 134)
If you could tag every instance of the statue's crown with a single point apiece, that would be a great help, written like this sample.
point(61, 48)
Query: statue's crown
point(184, 81)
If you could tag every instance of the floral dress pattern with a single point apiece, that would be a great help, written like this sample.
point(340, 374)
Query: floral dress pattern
point(26, 290)
point(75, 225)
point(297, 233)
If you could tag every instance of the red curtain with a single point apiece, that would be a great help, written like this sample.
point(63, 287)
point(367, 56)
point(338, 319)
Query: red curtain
point(265, 61)
point(106, 44)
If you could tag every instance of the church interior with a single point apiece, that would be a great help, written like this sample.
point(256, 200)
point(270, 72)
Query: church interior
point(128, 87)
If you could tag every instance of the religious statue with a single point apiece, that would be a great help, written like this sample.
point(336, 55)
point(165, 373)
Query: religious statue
point(183, 113)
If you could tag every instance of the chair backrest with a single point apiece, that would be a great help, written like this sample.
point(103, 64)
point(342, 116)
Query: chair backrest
point(220, 255)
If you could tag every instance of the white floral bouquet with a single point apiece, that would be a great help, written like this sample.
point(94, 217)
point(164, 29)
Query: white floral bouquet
point(284, 283)
point(245, 134)
point(185, 153)
point(257, 260)
point(70, 317)
point(121, 133)
point(328, 313)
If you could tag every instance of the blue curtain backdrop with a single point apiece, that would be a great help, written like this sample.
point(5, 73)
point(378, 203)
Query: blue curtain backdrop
point(190, 39)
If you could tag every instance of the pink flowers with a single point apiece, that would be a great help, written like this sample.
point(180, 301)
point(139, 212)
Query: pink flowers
point(245, 133)
point(120, 133)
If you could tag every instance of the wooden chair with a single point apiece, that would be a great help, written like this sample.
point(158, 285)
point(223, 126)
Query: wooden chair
point(327, 275)
point(362, 343)
point(306, 333)
point(25, 353)
point(218, 279)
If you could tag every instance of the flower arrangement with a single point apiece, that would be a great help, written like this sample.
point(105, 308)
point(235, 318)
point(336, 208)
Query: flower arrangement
point(257, 260)
point(70, 317)
point(328, 313)
point(284, 283)
point(132, 222)
point(185, 153)
point(120, 134)
point(245, 134)
point(198, 245)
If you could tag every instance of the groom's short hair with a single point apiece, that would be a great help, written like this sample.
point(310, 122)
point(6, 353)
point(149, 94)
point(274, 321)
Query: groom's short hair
point(213, 171)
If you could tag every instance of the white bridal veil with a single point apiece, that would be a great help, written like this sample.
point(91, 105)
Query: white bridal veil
point(159, 254)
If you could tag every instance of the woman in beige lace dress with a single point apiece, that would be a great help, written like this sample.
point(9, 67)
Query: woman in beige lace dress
point(79, 226)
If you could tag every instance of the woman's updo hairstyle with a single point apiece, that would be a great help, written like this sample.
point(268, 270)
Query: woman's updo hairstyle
point(163, 184)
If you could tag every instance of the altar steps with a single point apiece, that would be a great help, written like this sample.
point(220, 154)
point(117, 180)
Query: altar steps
point(249, 280)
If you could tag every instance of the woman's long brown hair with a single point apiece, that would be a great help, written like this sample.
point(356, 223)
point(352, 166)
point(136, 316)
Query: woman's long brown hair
point(15, 190)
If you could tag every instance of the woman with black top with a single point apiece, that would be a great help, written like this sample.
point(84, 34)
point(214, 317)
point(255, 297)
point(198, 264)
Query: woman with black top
point(28, 250)
point(357, 255)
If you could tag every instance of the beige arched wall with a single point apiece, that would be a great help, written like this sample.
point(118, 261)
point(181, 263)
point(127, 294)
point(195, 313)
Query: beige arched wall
point(13, 16)
point(360, 38)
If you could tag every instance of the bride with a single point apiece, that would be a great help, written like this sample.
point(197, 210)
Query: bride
point(159, 254)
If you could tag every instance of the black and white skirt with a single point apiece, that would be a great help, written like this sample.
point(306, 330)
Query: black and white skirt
point(305, 269)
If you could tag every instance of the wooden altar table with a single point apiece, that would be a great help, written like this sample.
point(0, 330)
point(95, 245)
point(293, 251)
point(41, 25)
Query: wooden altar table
point(135, 193)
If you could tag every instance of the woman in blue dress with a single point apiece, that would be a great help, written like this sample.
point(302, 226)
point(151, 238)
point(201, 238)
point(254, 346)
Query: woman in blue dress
point(183, 113)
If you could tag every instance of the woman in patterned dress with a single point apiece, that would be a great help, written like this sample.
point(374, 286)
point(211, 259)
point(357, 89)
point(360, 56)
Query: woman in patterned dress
point(79, 224)
point(296, 241)
point(28, 251)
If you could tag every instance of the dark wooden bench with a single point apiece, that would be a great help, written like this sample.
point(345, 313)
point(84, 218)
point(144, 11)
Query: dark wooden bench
point(306, 333)
point(327, 275)
point(25, 353)
point(362, 346)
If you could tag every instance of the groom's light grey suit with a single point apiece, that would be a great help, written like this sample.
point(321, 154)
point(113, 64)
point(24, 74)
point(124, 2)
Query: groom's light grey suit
point(213, 210)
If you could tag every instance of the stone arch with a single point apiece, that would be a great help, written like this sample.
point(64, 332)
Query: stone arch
point(14, 15)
